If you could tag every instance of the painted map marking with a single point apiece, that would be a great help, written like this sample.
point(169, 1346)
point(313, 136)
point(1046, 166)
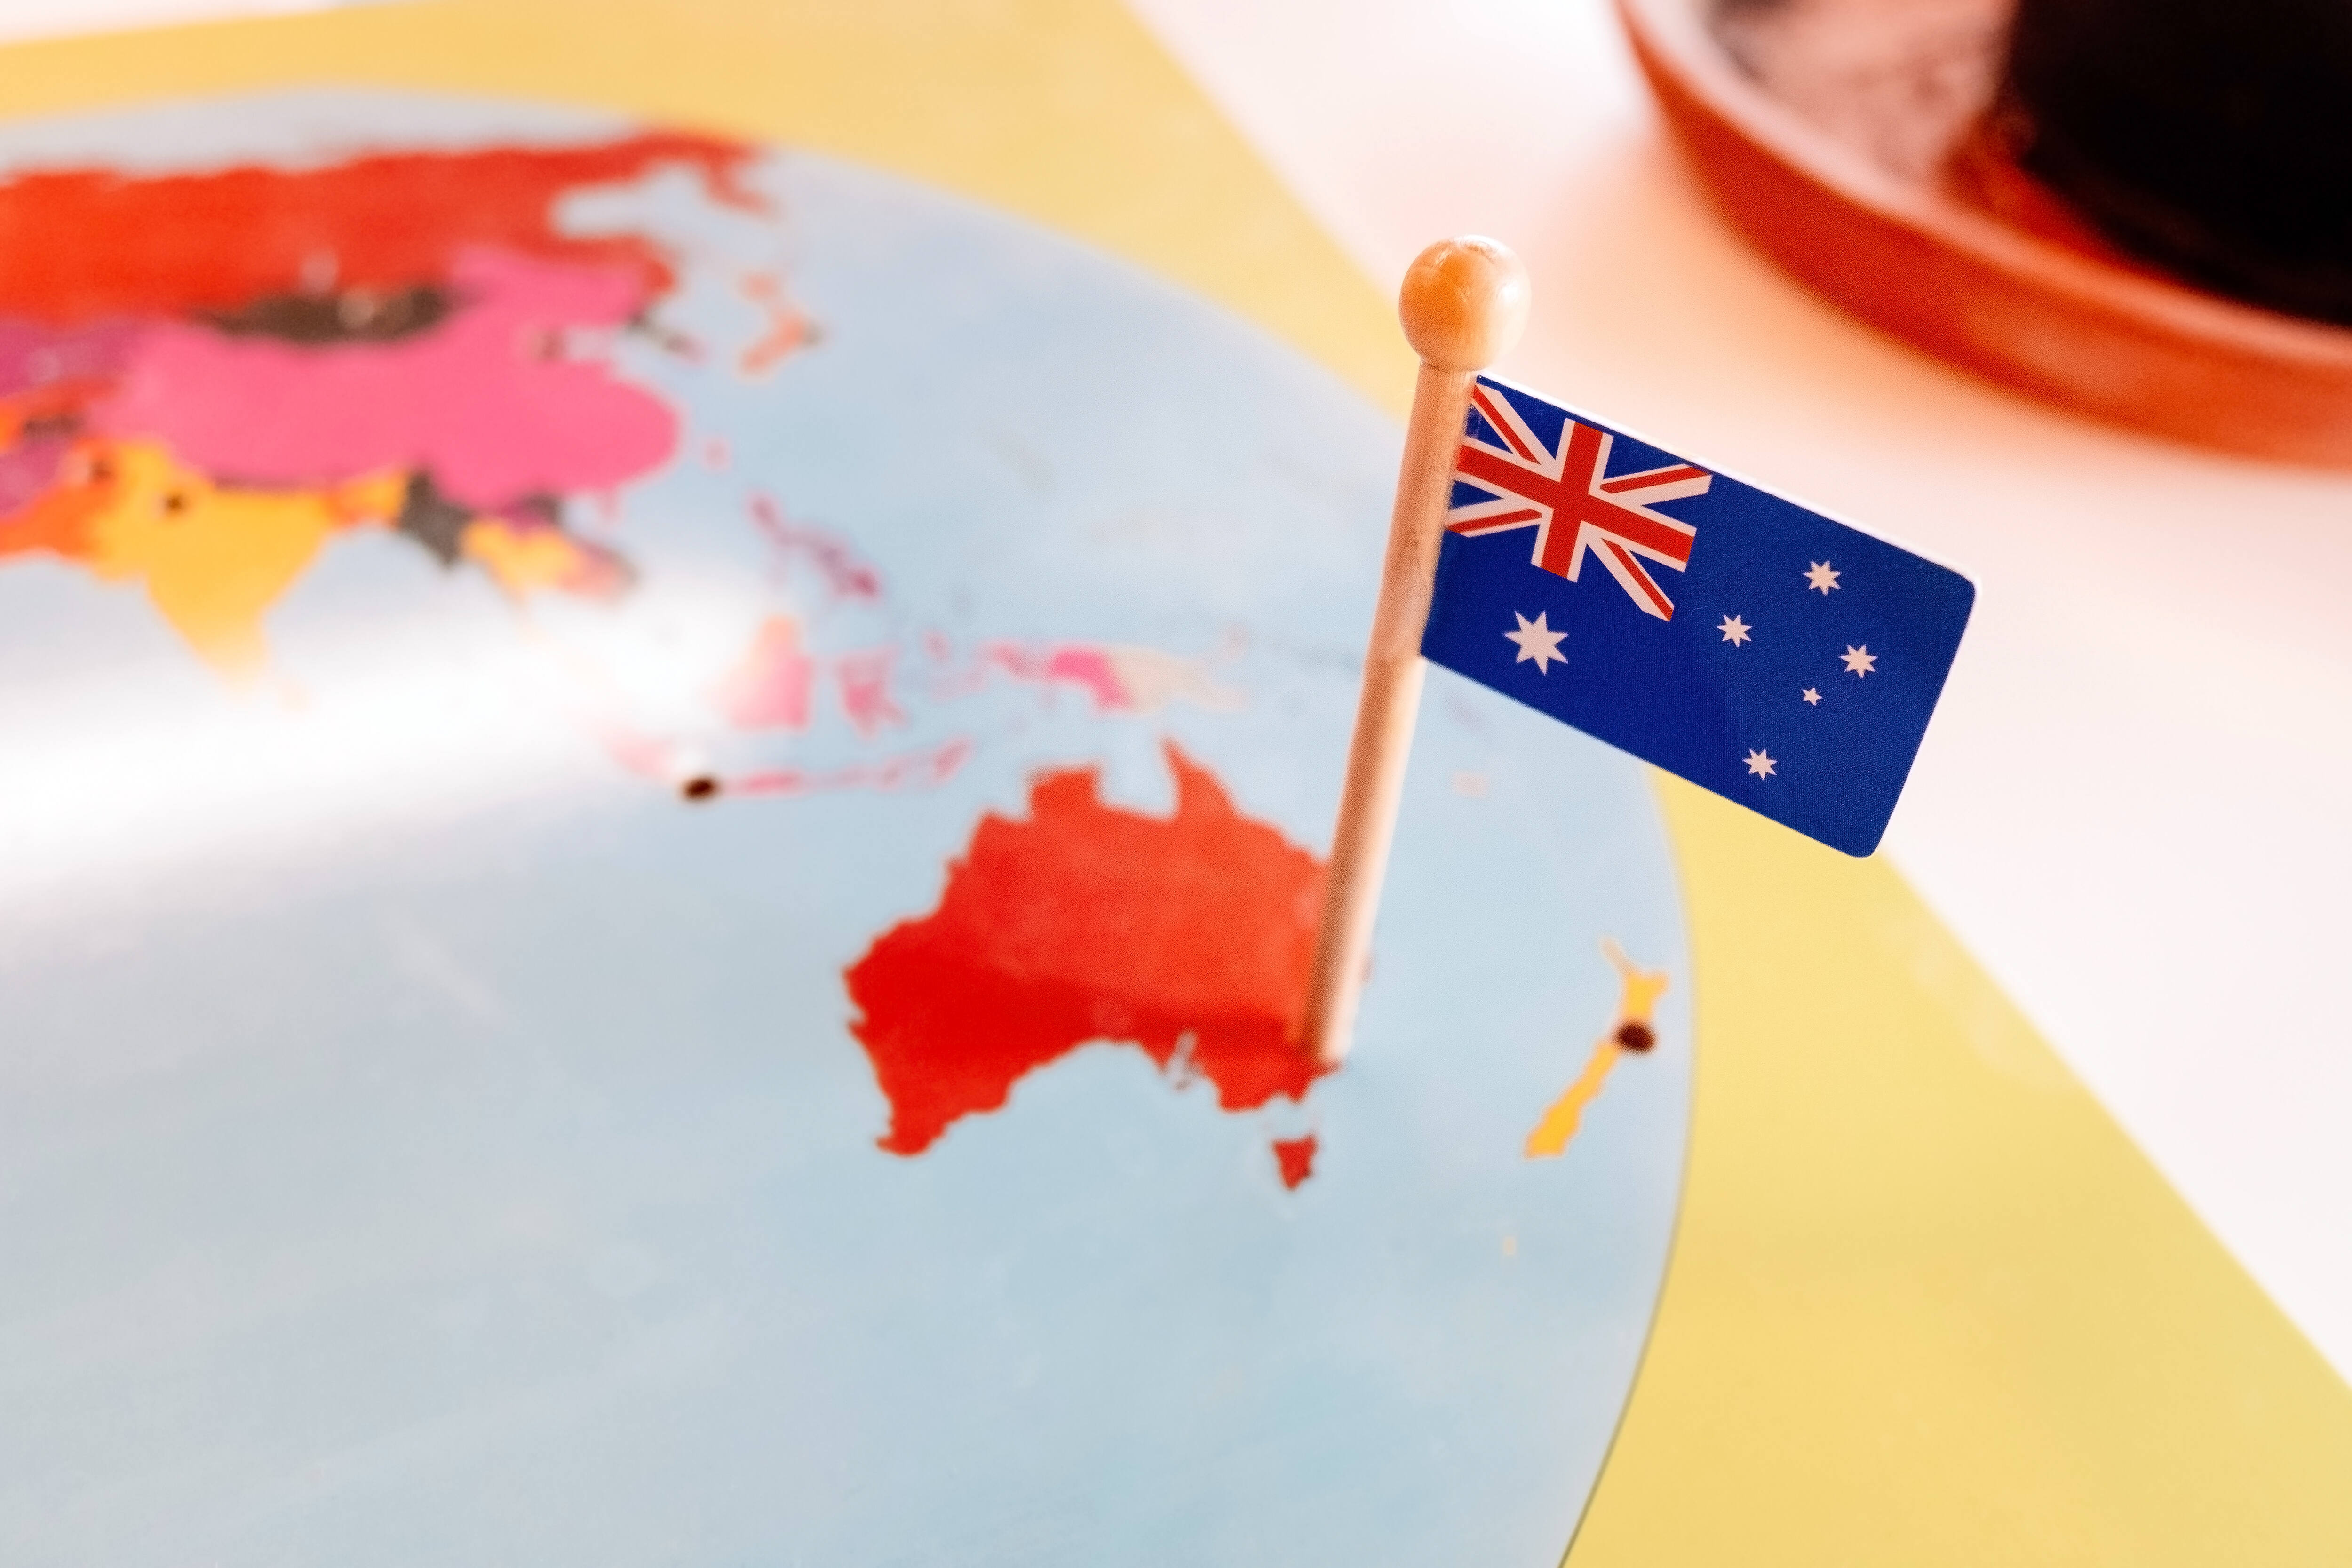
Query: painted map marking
point(211, 558)
point(233, 366)
point(217, 243)
point(1294, 1159)
point(1116, 678)
point(508, 398)
point(1629, 1033)
point(1088, 922)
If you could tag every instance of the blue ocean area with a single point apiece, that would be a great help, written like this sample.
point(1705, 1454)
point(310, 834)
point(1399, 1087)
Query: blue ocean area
point(491, 1176)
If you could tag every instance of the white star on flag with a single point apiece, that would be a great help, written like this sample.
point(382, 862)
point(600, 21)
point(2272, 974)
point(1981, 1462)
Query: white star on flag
point(1812, 698)
point(1735, 630)
point(1536, 641)
point(1760, 764)
point(1819, 575)
point(1860, 660)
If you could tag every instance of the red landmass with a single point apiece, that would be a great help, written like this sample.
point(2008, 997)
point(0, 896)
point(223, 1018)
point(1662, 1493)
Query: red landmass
point(1295, 1157)
point(1090, 923)
point(175, 243)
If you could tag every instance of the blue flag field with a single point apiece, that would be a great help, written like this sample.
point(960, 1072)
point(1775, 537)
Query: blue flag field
point(1758, 649)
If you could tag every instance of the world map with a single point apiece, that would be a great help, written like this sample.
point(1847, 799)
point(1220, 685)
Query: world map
point(263, 362)
point(255, 359)
point(568, 659)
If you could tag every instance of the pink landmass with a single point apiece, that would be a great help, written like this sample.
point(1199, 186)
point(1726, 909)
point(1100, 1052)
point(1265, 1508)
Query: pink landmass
point(1117, 678)
point(768, 686)
point(35, 355)
point(491, 403)
point(1077, 664)
point(865, 680)
point(921, 769)
point(845, 575)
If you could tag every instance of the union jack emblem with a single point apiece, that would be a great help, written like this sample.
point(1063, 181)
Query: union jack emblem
point(1567, 497)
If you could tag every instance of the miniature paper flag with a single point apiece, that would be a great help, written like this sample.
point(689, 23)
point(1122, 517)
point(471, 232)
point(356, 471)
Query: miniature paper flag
point(1758, 649)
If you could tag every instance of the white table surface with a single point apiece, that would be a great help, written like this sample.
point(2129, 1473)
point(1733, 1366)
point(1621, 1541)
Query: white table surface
point(2132, 805)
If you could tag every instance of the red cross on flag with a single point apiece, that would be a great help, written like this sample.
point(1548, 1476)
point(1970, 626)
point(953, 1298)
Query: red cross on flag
point(1566, 498)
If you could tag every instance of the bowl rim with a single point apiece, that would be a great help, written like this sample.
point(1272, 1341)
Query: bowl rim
point(1671, 37)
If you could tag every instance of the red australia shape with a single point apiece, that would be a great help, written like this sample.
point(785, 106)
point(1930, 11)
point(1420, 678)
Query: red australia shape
point(1088, 922)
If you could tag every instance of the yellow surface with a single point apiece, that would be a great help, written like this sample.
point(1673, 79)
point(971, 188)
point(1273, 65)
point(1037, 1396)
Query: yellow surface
point(1927, 1305)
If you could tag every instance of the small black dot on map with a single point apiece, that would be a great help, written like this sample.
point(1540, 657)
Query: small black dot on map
point(1636, 1037)
point(701, 786)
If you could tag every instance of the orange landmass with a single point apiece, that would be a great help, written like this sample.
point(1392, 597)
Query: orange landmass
point(1631, 1032)
point(788, 328)
point(219, 240)
point(213, 558)
point(525, 558)
point(1087, 922)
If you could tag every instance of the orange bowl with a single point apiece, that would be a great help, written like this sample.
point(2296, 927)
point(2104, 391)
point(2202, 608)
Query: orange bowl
point(1872, 176)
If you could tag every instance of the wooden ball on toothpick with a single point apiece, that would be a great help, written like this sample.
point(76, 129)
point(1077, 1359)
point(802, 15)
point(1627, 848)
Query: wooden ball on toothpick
point(1463, 302)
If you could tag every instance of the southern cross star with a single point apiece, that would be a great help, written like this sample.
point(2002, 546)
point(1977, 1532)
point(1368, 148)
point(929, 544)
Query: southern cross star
point(1860, 660)
point(1760, 764)
point(1812, 698)
point(1819, 575)
point(1536, 641)
point(1735, 630)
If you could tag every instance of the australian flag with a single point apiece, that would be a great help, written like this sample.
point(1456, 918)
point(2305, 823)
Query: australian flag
point(1758, 649)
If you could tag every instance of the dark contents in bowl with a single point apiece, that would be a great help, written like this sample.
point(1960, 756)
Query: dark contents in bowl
point(2211, 137)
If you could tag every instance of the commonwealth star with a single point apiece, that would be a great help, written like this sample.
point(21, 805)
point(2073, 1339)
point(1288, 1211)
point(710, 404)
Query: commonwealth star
point(1536, 641)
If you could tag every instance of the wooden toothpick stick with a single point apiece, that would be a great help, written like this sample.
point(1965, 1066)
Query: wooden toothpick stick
point(1463, 304)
